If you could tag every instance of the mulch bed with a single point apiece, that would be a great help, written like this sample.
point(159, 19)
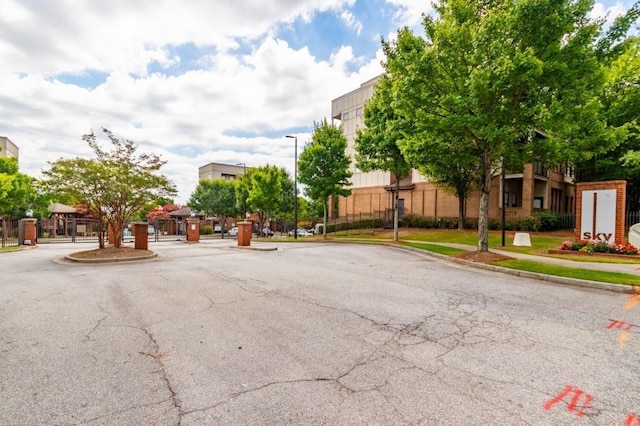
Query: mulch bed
point(111, 253)
point(482, 256)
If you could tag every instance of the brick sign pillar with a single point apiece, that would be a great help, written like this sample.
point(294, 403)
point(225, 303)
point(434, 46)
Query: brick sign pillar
point(140, 233)
point(193, 230)
point(600, 208)
point(27, 231)
point(244, 233)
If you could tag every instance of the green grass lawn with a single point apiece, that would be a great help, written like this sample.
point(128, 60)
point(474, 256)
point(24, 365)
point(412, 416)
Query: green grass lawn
point(541, 243)
point(583, 274)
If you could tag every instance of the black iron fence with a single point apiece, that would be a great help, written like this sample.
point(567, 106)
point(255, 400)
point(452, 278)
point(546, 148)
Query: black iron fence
point(67, 230)
point(8, 232)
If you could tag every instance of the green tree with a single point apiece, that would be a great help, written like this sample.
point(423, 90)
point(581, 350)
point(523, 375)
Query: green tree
point(216, 198)
point(18, 192)
point(115, 185)
point(324, 165)
point(264, 188)
point(376, 144)
point(621, 97)
point(495, 72)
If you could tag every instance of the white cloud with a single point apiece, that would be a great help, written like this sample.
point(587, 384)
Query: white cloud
point(410, 11)
point(351, 21)
point(600, 10)
point(66, 35)
point(188, 118)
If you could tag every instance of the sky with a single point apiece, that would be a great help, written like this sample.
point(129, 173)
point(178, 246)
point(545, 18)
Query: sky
point(195, 82)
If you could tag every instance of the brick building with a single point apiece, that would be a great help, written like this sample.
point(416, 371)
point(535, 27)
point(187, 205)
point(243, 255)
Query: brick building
point(534, 189)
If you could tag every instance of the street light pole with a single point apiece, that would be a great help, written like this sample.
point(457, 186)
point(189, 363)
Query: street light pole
point(295, 188)
point(244, 201)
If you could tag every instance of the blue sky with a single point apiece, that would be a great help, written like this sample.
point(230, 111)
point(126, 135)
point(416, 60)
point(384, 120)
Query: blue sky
point(198, 82)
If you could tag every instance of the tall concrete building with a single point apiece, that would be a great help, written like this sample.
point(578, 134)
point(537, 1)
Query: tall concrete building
point(535, 189)
point(221, 171)
point(8, 148)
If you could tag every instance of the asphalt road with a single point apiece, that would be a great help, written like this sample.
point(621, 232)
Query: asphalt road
point(322, 334)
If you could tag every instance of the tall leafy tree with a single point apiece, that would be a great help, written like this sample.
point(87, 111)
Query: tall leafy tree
point(115, 185)
point(495, 72)
point(376, 144)
point(216, 198)
point(324, 165)
point(621, 97)
point(266, 190)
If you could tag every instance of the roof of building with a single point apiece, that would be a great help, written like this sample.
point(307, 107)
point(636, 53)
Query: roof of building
point(183, 212)
point(59, 208)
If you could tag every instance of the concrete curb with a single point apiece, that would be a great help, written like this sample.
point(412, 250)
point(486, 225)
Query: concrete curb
point(618, 288)
point(254, 248)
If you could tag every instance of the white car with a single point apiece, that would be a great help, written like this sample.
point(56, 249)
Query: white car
point(233, 231)
point(301, 233)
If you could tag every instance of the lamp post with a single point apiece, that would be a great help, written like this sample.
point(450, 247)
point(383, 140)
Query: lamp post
point(295, 188)
point(244, 201)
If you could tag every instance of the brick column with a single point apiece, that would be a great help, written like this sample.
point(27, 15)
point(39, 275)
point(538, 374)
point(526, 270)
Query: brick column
point(244, 233)
point(193, 230)
point(29, 232)
point(140, 233)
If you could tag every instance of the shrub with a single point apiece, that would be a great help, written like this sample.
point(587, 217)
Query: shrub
point(356, 224)
point(206, 230)
point(548, 221)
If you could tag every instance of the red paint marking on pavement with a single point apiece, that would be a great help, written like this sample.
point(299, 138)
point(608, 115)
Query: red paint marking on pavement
point(632, 420)
point(573, 404)
point(620, 324)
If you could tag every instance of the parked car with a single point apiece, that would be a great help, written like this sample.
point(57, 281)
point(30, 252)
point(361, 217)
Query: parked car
point(301, 233)
point(233, 231)
point(268, 232)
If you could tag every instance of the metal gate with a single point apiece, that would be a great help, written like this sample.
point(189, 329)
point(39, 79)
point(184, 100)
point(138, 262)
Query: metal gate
point(68, 230)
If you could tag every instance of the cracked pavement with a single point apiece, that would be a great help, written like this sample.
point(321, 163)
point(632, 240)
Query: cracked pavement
point(324, 334)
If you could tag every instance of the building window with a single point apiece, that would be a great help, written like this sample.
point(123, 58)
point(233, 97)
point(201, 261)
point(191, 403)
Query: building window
point(358, 111)
point(538, 202)
point(228, 177)
point(538, 168)
point(345, 115)
point(569, 171)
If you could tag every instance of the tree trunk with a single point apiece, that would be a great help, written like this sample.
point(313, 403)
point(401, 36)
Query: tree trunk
point(102, 231)
point(395, 210)
point(461, 202)
point(117, 234)
point(483, 216)
point(224, 222)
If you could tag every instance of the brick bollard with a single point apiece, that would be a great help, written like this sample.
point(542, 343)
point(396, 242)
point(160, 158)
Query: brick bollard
point(193, 230)
point(140, 233)
point(244, 233)
point(29, 233)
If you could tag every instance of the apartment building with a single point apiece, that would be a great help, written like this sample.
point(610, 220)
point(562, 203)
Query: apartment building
point(534, 189)
point(8, 148)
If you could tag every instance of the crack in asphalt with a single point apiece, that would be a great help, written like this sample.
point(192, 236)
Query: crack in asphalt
point(156, 355)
